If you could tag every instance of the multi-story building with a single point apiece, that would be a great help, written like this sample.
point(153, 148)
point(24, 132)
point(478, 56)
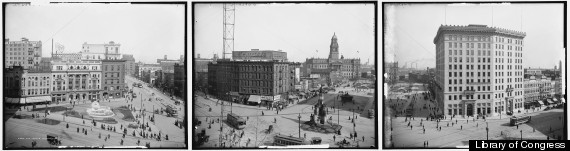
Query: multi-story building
point(23, 53)
point(267, 79)
point(180, 85)
point(150, 68)
point(76, 80)
point(137, 69)
point(326, 67)
point(113, 75)
point(392, 70)
point(100, 51)
point(537, 88)
point(129, 64)
point(200, 72)
point(479, 70)
point(12, 84)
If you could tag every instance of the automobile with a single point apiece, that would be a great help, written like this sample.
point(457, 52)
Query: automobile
point(134, 95)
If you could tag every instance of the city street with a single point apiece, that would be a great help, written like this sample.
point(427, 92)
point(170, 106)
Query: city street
point(21, 132)
point(461, 130)
point(287, 121)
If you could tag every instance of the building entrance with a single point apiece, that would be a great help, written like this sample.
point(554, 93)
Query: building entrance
point(469, 109)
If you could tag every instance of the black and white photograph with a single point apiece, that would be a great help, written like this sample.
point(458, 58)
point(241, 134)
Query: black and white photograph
point(473, 71)
point(94, 75)
point(284, 75)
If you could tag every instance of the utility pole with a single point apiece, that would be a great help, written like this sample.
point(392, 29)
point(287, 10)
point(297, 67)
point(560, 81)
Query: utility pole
point(221, 121)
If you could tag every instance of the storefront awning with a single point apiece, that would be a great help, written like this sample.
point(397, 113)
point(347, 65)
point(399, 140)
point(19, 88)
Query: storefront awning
point(302, 93)
point(555, 100)
point(293, 97)
point(540, 102)
point(234, 94)
point(254, 98)
point(35, 99)
point(549, 101)
point(12, 100)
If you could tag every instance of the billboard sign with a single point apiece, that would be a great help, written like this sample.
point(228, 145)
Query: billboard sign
point(259, 55)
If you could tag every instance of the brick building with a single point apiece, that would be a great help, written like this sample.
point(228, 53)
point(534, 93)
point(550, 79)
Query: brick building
point(113, 73)
point(237, 80)
point(129, 64)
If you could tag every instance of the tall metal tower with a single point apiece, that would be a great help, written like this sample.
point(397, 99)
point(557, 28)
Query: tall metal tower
point(229, 22)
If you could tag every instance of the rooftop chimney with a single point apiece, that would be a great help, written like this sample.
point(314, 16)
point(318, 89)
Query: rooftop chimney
point(164, 57)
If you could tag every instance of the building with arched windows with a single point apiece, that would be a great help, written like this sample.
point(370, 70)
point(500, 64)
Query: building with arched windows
point(76, 80)
point(333, 66)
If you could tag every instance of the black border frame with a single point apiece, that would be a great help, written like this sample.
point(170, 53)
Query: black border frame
point(565, 38)
point(185, 3)
point(375, 3)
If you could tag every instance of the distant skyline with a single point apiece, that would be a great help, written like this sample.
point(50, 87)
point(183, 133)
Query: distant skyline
point(147, 31)
point(301, 30)
point(410, 29)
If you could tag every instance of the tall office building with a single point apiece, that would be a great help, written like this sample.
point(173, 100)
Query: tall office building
point(23, 53)
point(479, 70)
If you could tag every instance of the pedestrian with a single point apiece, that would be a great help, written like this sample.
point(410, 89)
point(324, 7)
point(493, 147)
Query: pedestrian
point(411, 127)
point(334, 138)
point(424, 131)
point(461, 127)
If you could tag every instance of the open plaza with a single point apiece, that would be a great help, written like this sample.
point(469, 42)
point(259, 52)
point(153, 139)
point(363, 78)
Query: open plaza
point(115, 122)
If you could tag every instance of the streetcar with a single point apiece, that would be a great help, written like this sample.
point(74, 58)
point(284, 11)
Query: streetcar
point(282, 140)
point(236, 121)
point(516, 120)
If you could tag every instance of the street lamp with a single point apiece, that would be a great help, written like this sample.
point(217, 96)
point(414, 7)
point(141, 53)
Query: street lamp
point(299, 125)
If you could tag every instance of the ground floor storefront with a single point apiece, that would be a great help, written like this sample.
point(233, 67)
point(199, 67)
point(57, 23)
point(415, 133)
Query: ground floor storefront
point(76, 96)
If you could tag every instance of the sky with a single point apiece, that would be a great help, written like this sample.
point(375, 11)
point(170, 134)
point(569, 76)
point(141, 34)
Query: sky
point(301, 30)
point(148, 31)
point(410, 29)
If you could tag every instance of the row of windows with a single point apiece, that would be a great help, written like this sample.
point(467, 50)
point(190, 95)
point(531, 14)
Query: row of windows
point(502, 39)
point(60, 88)
point(470, 59)
point(470, 45)
point(469, 97)
point(19, 49)
point(470, 52)
point(112, 88)
point(36, 91)
point(461, 105)
point(19, 44)
point(112, 67)
point(468, 38)
point(470, 74)
point(468, 81)
point(20, 58)
point(19, 62)
point(21, 53)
